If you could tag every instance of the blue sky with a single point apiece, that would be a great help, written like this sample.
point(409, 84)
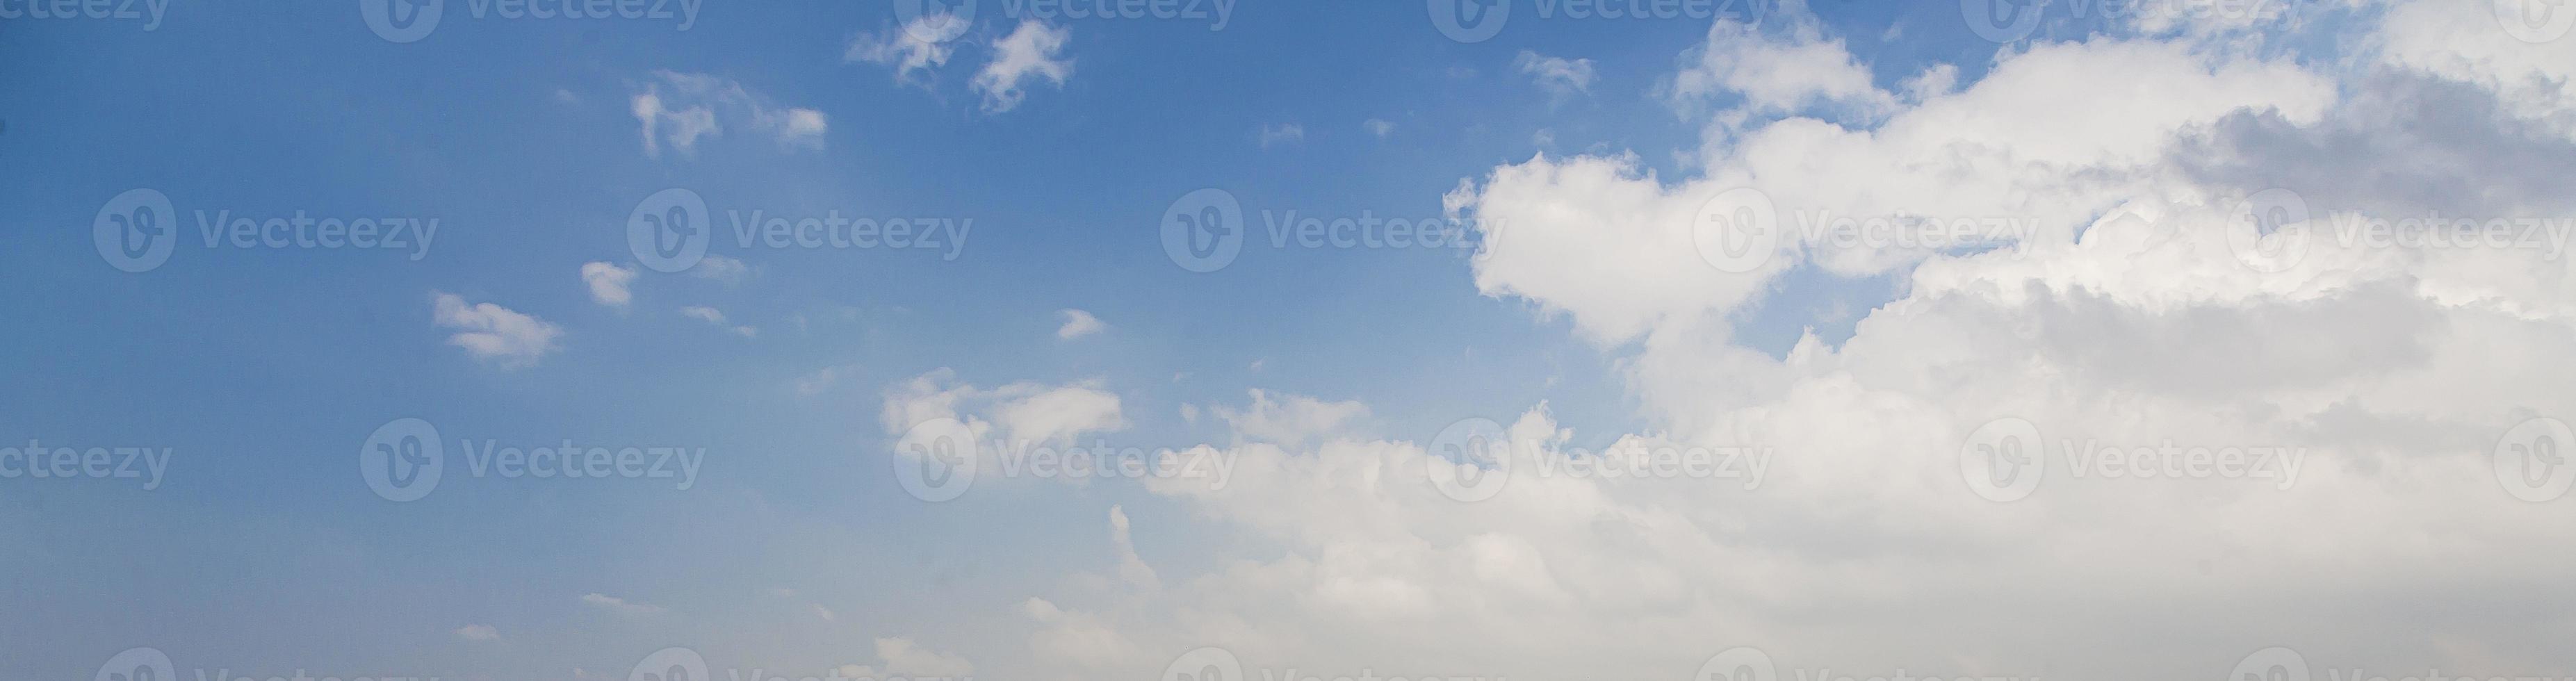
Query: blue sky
point(264, 371)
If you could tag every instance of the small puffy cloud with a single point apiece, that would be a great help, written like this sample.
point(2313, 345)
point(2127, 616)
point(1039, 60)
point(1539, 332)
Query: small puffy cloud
point(915, 50)
point(492, 333)
point(478, 632)
point(1560, 77)
point(904, 658)
point(609, 283)
point(1031, 52)
point(1077, 324)
point(678, 109)
point(720, 268)
point(619, 605)
point(1275, 134)
point(717, 317)
point(1379, 127)
point(1782, 68)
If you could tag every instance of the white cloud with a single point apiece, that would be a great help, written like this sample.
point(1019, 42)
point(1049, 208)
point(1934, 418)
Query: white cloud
point(1033, 51)
point(1379, 127)
point(1023, 412)
point(717, 317)
point(493, 333)
point(2125, 319)
point(720, 268)
point(698, 105)
point(1275, 134)
point(1077, 324)
point(478, 632)
point(1560, 77)
point(915, 50)
point(619, 605)
point(904, 658)
point(1787, 66)
point(609, 283)
point(1288, 420)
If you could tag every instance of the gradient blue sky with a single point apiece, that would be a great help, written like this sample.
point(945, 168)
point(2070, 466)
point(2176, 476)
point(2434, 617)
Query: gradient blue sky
point(264, 370)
